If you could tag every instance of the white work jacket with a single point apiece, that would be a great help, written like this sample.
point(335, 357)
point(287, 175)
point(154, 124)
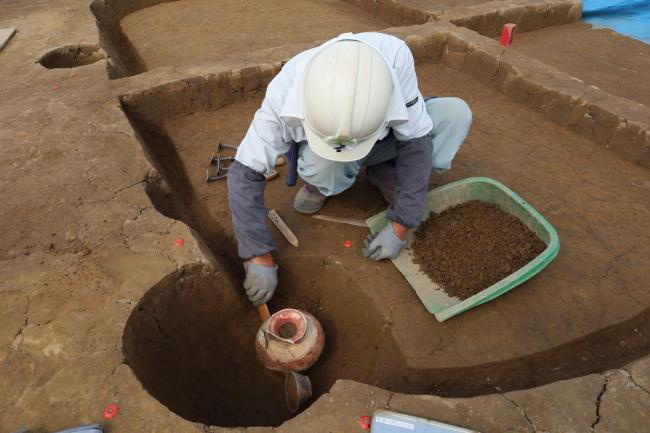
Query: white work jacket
point(277, 123)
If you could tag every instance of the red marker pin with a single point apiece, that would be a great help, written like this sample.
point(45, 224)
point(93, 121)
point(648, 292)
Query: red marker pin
point(507, 34)
point(347, 243)
point(364, 422)
point(179, 242)
point(111, 410)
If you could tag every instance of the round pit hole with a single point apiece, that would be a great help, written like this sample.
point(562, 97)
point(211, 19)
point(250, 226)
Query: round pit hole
point(191, 343)
point(71, 56)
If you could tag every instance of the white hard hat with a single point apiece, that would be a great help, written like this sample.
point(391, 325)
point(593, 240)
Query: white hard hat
point(346, 94)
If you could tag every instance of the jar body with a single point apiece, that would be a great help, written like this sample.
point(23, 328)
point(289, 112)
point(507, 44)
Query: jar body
point(290, 340)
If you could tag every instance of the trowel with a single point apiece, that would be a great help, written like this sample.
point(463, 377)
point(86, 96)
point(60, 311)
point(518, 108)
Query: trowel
point(297, 387)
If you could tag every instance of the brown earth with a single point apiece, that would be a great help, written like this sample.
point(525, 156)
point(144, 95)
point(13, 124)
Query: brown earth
point(601, 57)
point(471, 246)
point(82, 244)
point(301, 302)
point(574, 183)
point(196, 31)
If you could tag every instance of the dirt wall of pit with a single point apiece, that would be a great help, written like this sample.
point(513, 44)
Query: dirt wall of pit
point(614, 122)
point(475, 56)
point(486, 18)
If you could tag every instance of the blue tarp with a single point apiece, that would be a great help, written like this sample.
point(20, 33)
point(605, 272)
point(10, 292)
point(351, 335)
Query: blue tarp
point(630, 18)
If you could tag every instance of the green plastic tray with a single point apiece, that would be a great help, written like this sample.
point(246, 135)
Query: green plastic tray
point(484, 189)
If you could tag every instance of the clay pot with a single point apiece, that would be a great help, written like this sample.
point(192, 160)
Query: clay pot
point(290, 340)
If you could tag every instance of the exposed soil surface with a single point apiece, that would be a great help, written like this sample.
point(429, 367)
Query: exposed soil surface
point(300, 302)
point(469, 247)
point(194, 31)
point(599, 273)
point(82, 244)
point(617, 64)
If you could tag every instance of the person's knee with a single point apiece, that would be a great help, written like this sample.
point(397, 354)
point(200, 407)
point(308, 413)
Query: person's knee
point(322, 175)
point(456, 111)
point(452, 119)
point(330, 177)
point(312, 168)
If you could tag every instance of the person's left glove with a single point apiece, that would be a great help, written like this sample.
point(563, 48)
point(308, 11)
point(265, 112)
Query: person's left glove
point(260, 282)
point(383, 245)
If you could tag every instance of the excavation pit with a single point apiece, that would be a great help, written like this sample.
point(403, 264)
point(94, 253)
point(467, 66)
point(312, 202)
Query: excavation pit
point(71, 56)
point(198, 31)
point(191, 343)
point(600, 57)
point(143, 36)
point(517, 341)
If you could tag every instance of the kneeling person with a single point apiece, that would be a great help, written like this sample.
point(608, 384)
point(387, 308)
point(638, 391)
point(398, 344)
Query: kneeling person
point(352, 102)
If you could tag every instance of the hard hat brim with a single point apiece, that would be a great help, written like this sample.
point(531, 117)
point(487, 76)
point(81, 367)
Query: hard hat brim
point(325, 150)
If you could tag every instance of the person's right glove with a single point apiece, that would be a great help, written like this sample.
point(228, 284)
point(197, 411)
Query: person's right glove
point(260, 282)
point(383, 245)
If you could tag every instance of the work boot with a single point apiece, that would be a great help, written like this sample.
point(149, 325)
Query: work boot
point(383, 176)
point(309, 200)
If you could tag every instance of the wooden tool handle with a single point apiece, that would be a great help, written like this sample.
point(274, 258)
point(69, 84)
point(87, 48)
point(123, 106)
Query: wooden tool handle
point(264, 312)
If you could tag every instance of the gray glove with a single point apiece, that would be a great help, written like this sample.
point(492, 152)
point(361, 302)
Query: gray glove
point(260, 282)
point(383, 245)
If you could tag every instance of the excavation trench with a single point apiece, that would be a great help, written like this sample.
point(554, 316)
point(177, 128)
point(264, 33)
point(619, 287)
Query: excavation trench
point(143, 35)
point(190, 343)
point(190, 339)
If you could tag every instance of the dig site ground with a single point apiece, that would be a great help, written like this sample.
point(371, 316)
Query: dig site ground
point(120, 282)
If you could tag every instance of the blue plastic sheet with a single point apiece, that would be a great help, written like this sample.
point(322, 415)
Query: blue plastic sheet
point(628, 17)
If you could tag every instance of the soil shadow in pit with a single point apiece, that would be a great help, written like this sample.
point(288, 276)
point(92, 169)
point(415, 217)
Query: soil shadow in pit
point(190, 342)
point(71, 56)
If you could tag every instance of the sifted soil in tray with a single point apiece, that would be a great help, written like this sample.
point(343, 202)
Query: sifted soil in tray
point(469, 247)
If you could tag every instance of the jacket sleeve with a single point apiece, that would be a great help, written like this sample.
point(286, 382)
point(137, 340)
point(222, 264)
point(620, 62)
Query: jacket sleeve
point(413, 168)
point(256, 155)
point(246, 197)
point(419, 123)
